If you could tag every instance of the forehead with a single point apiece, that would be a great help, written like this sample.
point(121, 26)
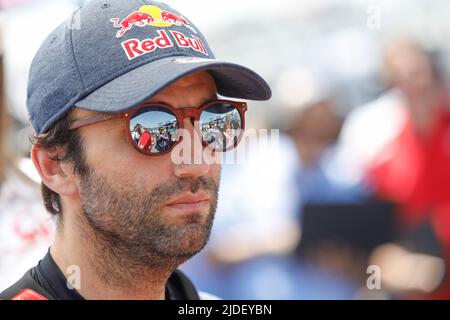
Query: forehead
point(198, 86)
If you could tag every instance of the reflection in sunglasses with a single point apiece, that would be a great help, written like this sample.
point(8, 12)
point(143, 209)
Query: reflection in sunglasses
point(155, 129)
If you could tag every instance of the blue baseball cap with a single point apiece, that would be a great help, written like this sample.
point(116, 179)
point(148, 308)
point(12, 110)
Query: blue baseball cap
point(112, 55)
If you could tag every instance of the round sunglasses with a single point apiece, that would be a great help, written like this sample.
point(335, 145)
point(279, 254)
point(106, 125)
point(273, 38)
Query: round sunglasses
point(154, 128)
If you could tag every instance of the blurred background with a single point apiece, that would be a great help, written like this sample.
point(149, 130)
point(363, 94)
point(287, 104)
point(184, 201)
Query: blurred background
point(353, 202)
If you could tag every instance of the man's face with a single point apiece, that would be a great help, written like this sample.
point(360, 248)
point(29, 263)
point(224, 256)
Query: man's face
point(148, 207)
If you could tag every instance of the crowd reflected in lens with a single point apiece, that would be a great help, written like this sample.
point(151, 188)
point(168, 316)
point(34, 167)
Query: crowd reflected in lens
point(155, 130)
point(221, 126)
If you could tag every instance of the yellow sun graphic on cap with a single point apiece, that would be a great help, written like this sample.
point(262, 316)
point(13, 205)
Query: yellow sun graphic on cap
point(155, 12)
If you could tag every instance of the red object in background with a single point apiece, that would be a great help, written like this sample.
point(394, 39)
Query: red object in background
point(415, 173)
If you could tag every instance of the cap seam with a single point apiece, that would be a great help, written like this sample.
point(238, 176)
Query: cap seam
point(73, 50)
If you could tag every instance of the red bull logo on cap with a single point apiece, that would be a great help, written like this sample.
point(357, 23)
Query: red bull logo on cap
point(135, 48)
point(156, 17)
point(149, 16)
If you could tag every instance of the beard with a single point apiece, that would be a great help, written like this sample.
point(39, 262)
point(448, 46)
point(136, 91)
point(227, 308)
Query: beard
point(130, 228)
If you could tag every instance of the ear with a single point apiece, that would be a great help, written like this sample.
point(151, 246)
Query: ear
point(53, 174)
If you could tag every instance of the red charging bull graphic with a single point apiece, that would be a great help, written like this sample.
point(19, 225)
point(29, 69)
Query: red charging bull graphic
point(153, 16)
point(173, 18)
point(149, 16)
point(140, 19)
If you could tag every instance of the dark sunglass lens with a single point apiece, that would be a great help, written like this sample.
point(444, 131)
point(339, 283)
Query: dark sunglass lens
point(153, 130)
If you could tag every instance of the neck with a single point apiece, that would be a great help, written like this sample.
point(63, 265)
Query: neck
point(106, 272)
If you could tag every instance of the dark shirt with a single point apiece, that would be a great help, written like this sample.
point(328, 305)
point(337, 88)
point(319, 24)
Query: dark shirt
point(47, 280)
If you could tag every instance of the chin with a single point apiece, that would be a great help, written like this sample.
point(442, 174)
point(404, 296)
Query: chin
point(193, 239)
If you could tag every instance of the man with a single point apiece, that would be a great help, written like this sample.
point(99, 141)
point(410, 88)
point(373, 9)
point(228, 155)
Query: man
point(126, 217)
point(412, 171)
point(163, 141)
point(145, 140)
point(136, 134)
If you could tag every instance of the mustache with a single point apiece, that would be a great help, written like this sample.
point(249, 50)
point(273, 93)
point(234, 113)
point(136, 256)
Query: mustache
point(167, 190)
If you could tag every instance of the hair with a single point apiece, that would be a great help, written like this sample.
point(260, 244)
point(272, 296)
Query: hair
point(70, 141)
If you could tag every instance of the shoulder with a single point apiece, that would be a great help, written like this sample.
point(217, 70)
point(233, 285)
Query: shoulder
point(27, 288)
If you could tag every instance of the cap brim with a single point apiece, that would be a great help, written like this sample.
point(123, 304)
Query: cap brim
point(138, 85)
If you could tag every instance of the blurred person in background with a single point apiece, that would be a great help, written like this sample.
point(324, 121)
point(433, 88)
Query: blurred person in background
point(314, 125)
point(25, 229)
point(315, 132)
point(412, 169)
point(312, 119)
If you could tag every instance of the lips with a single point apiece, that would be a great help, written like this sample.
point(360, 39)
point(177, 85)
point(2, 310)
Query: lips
point(190, 202)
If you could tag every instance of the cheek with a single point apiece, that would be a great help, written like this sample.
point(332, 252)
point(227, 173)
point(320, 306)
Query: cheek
point(215, 173)
point(112, 156)
point(107, 150)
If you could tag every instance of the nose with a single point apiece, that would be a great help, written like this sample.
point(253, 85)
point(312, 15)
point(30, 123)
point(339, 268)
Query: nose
point(198, 166)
